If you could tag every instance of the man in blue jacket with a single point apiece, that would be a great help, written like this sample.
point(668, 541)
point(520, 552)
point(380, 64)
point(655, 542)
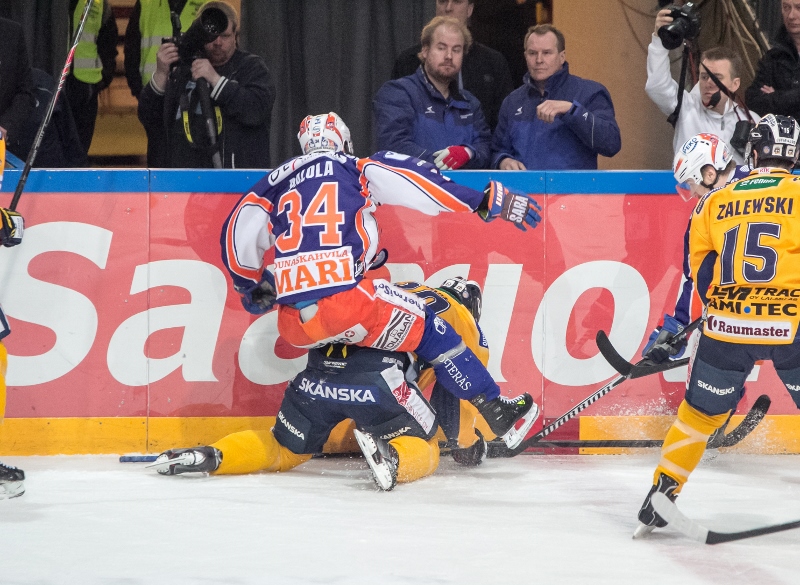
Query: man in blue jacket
point(425, 115)
point(555, 120)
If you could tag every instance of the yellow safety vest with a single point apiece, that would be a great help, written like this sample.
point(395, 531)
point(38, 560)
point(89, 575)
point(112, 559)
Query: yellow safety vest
point(86, 65)
point(155, 25)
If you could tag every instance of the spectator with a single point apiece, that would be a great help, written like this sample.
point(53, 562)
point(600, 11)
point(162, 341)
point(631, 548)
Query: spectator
point(93, 66)
point(148, 25)
point(555, 120)
point(16, 86)
point(242, 95)
point(425, 114)
point(704, 109)
point(484, 72)
point(776, 87)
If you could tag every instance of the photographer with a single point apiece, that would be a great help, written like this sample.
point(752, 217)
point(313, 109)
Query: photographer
point(183, 133)
point(704, 109)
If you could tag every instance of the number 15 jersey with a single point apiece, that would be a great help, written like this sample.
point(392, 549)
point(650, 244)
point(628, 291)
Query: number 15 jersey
point(744, 250)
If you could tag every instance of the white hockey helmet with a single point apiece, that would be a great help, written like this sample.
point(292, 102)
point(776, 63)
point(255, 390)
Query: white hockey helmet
point(697, 152)
point(324, 132)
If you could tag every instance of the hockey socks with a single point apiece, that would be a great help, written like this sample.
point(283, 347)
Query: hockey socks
point(250, 451)
point(456, 367)
point(685, 443)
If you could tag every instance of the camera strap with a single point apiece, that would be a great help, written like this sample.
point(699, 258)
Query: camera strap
point(737, 102)
point(673, 117)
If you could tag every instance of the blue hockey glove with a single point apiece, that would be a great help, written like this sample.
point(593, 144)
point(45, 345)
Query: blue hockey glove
point(657, 348)
point(260, 297)
point(514, 206)
point(11, 227)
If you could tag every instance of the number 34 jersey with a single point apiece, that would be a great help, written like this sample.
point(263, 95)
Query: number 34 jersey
point(744, 250)
point(317, 211)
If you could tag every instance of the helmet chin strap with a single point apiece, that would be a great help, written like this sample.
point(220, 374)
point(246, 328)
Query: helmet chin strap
point(714, 182)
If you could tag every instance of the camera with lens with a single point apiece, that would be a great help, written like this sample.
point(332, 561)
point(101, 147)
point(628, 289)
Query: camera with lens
point(741, 135)
point(685, 26)
point(211, 23)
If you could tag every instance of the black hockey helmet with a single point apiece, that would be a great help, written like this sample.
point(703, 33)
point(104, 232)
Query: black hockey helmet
point(774, 137)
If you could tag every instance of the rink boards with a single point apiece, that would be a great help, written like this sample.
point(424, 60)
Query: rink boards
point(127, 336)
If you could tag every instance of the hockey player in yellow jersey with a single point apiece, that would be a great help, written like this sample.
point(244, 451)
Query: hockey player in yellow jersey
point(11, 230)
point(395, 426)
point(744, 252)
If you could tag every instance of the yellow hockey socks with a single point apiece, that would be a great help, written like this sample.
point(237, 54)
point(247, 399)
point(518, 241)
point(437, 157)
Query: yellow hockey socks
point(250, 451)
point(417, 458)
point(685, 443)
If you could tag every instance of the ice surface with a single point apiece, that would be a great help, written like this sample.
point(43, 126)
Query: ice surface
point(530, 520)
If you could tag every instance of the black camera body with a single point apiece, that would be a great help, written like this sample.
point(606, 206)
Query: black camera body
point(685, 26)
point(206, 29)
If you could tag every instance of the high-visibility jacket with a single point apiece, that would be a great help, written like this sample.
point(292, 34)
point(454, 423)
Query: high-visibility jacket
point(155, 25)
point(86, 65)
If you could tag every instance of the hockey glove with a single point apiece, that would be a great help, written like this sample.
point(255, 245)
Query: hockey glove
point(518, 208)
point(259, 298)
point(657, 348)
point(11, 227)
point(452, 157)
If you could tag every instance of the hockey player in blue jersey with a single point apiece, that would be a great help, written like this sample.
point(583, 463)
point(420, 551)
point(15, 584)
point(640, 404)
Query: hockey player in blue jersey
point(317, 212)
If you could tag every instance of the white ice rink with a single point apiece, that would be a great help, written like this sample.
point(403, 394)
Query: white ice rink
point(530, 520)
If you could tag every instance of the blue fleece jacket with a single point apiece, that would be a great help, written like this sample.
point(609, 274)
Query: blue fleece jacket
point(412, 117)
point(572, 141)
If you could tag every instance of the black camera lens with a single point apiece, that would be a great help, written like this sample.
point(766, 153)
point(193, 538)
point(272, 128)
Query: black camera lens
point(685, 25)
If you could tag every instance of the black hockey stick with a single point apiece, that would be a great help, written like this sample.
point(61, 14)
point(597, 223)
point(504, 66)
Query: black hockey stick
point(718, 440)
point(750, 421)
point(696, 531)
point(49, 114)
point(643, 367)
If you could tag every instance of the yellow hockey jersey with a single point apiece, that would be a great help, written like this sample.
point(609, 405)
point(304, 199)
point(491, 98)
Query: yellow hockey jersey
point(744, 252)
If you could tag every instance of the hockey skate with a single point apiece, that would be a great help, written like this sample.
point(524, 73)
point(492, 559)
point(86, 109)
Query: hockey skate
point(648, 518)
point(194, 460)
point(11, 482)
point(509, 418)
point(381, 457)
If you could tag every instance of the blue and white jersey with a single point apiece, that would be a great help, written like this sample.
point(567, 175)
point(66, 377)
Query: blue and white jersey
point(317, 212)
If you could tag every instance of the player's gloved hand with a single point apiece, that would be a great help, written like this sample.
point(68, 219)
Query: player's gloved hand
point(11, 227)
point(260, 297)
point(657, 348)
point(514, 206)
point(452, 157)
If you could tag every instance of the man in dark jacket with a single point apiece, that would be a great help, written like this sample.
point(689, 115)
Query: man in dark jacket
point(484, 72)
point(776, 86)
point(242, 94)
point(555, 120)
point(16, 86)
point(426, 115)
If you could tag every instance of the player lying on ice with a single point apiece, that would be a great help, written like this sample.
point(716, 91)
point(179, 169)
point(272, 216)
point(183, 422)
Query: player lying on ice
point(744, 243)
point(317, 210)
point(375, 391)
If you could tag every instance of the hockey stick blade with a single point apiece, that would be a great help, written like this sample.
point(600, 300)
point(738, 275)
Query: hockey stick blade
point(750, 421)
point(696, 531)
point(611, 355)
point(643, 367)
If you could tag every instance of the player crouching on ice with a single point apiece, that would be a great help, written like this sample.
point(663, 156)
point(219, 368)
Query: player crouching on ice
point(744, 243)
point(377, 390)
point(317, 210)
